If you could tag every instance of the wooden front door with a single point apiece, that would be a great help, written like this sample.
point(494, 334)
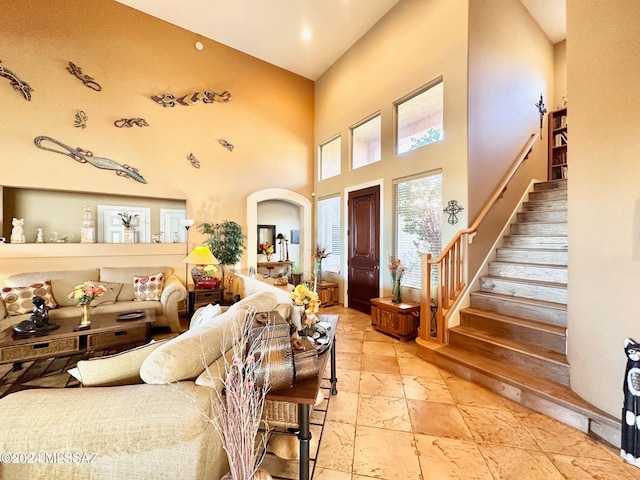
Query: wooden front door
point(364, 248)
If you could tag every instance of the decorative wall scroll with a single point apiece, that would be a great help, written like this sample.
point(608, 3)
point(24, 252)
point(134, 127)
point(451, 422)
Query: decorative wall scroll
point(226, 144)
point(86, 156)
point(81, 119)
point(18, 85)
point(453, 209)
point(86, 79)
point(541, 110)
point(130, 122)
point(190, 99)
point(194, 161)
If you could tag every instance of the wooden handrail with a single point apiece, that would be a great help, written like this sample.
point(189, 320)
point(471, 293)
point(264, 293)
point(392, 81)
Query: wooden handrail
point(450, 262)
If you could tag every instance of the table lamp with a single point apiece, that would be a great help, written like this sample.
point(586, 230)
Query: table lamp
point(200, 256)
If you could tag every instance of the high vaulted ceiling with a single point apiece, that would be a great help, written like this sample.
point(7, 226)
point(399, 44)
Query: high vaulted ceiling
point(272, 30)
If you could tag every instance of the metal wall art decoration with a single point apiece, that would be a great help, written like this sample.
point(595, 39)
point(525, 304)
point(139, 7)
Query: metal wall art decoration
point(191, 99)
point(194, 161)
point(453, 209)
point(130, 122)
point(86, 79)
point(81, 119)
point(86, 156)
point(542, 110)
point(226, 144)
point(18, 85)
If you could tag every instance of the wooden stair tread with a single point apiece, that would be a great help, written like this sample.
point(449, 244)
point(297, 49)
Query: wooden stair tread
point(542, 387)
point(533, 249)
point(529, 301)
point(531, 350)
point(530, 265)
point(526, 281)
point(532, 324)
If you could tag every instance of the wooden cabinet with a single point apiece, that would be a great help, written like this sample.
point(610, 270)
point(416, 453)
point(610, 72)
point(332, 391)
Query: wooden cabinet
point(200, 297)
point(558, 145)
point(327, 293)
point(400, 320)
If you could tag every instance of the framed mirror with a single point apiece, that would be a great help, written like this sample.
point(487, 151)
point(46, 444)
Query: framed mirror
point(266, 233)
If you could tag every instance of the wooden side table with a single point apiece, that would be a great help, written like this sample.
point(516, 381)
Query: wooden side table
point(327, 293)
point(199, 297)
point(400, 320)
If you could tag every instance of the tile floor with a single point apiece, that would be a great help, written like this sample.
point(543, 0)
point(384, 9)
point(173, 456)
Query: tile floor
point(399, 417)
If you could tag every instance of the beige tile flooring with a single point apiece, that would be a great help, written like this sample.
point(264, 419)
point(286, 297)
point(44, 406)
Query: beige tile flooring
point(399, 417)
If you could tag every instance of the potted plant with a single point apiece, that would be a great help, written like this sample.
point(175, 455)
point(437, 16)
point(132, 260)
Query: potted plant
point(226, 242)
point(296, 274)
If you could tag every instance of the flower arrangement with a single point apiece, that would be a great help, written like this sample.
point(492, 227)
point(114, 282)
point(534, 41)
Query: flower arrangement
point(396, 268)
point(267, 248)
point(237, 416)
point(321, 254)
point(86, 292)
point(126, 218)
point(209, 270)
point(302, 295)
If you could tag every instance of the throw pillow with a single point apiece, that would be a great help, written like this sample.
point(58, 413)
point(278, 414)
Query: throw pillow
point(148, 287)
point(205, 315)
point(109, 296)
point(18, 299)
point(120, 369)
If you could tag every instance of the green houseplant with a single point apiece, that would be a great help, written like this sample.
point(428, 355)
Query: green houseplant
point(226, 242)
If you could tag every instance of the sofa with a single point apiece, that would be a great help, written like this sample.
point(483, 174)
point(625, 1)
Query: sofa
point(128, 289)
point(152, 422)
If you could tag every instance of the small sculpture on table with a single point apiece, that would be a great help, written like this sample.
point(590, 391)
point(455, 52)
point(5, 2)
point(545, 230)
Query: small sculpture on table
point(38, 324)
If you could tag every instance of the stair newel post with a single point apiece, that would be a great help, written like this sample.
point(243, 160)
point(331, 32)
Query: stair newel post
point(424, 331)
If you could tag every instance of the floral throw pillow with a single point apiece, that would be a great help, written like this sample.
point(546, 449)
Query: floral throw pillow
point(148, 287)
point(18, 299)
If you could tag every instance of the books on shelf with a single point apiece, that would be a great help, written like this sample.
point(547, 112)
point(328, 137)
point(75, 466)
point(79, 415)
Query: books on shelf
point(560, 139)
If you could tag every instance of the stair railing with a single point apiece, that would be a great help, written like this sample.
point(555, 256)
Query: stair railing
point(450, 265)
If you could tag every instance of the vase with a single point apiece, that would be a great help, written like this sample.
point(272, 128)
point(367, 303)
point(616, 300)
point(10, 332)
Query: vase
point(396, 295)
point(297, 316)
point(129, 235)
point(85, 319)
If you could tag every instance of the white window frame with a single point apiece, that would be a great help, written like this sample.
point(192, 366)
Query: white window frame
point(328, 233)
point(431, 132)
point(411, 258)
point(325, 173)
point(370, 145)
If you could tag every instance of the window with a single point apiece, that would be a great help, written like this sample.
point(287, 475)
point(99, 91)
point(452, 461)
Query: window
point(417, 203)
point(328, 235)
point(330, 158)
point(419, 119)
point(366, 142)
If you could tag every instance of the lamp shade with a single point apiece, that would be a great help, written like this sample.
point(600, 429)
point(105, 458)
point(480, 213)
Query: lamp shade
point(187, 222)
point(201, 256)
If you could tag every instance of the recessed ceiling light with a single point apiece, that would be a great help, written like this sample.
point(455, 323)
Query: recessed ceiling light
point(306, 34)
point(199, 46)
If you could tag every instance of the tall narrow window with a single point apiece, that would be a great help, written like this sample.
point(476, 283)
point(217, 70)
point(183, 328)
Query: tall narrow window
point(328, 233)
point(330, 158)
point(417, 205)
point(366, 142)
point(419, 119)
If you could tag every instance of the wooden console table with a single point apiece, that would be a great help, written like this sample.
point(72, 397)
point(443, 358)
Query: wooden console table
point(400, 320)
point(199, 297)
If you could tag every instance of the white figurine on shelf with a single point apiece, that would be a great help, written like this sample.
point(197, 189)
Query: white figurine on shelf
point(88, 232)
point(39, 237)
point(17, 233)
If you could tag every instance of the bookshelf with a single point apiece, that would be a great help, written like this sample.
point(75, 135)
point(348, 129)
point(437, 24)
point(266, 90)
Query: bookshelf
point(558, 145)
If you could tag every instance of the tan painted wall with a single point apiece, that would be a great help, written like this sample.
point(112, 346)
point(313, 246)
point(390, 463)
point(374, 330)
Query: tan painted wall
point(560, 70)
point(133, 56)
point(415, 43)
point(603, 72)
point(510, 65)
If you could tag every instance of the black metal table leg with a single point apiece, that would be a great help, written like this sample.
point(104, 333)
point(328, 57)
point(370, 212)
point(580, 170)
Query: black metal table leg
point(334, 379)
point(304, 436)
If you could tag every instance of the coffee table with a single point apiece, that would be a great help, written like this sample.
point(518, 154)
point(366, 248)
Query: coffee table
point(106, 331)
point(305, 392)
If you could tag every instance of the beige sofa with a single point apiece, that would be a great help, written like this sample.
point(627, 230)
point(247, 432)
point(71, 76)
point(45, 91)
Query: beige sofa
point(157, 429)
point(121, 299)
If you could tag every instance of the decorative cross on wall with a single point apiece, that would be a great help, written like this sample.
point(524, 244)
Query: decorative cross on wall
point(542, 110)
point(453, 209)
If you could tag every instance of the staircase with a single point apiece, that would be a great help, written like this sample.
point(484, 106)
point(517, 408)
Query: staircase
point(512, 338)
